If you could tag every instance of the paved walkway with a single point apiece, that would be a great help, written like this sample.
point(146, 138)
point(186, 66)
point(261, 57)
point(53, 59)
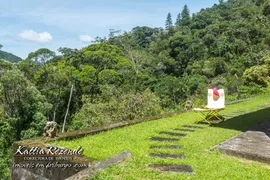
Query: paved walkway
point(253, 144)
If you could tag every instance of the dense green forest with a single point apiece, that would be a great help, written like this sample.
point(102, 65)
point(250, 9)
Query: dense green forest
point(131, 75)
point(8, 56)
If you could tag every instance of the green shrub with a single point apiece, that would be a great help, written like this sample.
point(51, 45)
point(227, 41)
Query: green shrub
point(257, 74)
point(172, 90)
point(251, 90)
point(125, 107)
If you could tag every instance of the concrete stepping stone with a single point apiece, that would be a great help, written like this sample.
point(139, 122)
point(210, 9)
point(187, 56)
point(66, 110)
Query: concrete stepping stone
point(185, 130)
point(167, 147)
point(172, 133)
point(189, 126)
point(253, 144)
point(163, 139)
point(182, 168)
point(174, 156)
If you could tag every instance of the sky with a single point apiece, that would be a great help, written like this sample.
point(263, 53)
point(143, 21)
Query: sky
point(28, 25)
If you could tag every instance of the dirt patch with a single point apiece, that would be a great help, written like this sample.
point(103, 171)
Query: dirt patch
point(163, 139)
point(172, 133)
point(174, 156)
point(183, 168)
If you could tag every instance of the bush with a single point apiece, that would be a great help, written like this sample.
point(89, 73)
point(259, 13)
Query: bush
point(257, 74)
point(251, 90)
point(266, 10)
point(214, 66)
point(172, 90)
point(125, 107)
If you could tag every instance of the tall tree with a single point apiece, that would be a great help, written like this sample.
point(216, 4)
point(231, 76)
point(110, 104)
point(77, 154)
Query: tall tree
point(178, 20)
point(185, 17)
point(56, 87)
point(41, 56)
point(1, 46)
point(22, 102)
point(71, 55)
point(169, 22)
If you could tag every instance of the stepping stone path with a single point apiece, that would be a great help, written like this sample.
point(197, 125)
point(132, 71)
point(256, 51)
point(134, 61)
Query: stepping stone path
point(163, 139)
point(172, 133)
point(188, 126)
point(172, 167)
point(174, 156)
point(182, 168)
point(185, 130)
point(166, 147)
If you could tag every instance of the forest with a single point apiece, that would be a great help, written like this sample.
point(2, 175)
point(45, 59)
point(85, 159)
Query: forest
point(8, 56)
point(136, 74)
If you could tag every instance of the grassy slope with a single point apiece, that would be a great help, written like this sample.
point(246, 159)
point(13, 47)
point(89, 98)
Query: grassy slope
point(207, 164)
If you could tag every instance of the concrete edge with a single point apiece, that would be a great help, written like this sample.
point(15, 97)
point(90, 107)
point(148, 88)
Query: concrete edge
point(95, 130)
point(249, 156)
point(245, 155)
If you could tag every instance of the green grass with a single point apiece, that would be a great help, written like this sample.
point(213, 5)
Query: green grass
point(206, 164)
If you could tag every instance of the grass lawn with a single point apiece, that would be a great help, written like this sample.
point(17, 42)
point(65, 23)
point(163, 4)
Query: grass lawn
point(206, 164)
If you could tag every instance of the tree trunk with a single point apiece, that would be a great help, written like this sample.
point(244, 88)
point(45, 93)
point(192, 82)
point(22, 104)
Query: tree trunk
point(54, 113)
point(237, 86)
point(70, 96)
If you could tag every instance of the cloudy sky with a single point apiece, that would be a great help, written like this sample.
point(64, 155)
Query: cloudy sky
point(27, 25)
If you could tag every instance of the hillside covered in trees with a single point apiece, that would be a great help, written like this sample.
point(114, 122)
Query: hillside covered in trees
point(135, 74)
point(8, 56)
